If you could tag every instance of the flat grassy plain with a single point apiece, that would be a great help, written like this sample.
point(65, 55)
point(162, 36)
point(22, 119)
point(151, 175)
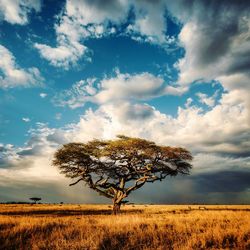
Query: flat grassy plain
point(42, 226)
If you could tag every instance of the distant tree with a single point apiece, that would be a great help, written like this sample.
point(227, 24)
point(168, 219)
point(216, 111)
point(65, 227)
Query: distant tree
point(35, 199)
point(115, 168)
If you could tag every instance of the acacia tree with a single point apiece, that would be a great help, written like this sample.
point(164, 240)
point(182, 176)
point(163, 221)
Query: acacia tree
point(115, 168)
point(35, 199)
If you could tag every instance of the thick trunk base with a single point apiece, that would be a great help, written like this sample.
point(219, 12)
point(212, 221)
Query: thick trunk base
point(116, 208)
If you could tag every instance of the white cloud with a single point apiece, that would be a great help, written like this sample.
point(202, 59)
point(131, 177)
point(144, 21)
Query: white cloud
point(26, 119)
point(150, 20)
point(188, 102)
point(235, 81)
point(69, 48)
point(65, 55)
point(43, 95)
point(205, 99)
point(31, 163)
point(214, 131)
point(218, 141)
point(14, 76)
point(215, 39)
point(97, 11)
point(141, 86)
point(125, 86)
point(16, 11)
point(80, 93)
point(27, 171)
point(82, 20)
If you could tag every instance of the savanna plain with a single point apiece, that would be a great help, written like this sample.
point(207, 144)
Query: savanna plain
point(47, 226)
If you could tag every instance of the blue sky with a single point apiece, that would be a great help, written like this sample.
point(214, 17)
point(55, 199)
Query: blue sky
point(176, 73)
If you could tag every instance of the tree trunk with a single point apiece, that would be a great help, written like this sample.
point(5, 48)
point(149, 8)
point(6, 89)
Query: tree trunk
point(116, 207)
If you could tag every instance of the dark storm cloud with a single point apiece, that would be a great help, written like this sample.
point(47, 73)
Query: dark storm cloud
point(242, 65)
point(220, 24)
point(215, 187)
point(222, 181)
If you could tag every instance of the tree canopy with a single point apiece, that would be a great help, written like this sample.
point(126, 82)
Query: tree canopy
point(35, 199)
point(115, 168)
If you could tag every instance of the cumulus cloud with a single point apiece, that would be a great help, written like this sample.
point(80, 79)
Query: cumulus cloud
point(215, 38)
point(208, 100)
point(17, 11)
point(215, 131)
point(121, 87)
point(81, 20)
point(65, 55)
point(218, 141)
point(96, 11)
point(14, 76)
point(124, 86)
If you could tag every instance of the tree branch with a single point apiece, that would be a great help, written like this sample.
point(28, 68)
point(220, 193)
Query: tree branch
point(136, 186)
point(74, 183)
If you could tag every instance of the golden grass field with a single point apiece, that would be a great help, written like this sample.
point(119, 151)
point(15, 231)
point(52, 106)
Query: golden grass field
point(25, 227)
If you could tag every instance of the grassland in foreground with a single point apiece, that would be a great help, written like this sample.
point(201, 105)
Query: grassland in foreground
point(25, 227)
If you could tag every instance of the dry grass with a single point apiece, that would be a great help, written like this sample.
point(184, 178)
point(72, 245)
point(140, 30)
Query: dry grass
point(138, 227)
